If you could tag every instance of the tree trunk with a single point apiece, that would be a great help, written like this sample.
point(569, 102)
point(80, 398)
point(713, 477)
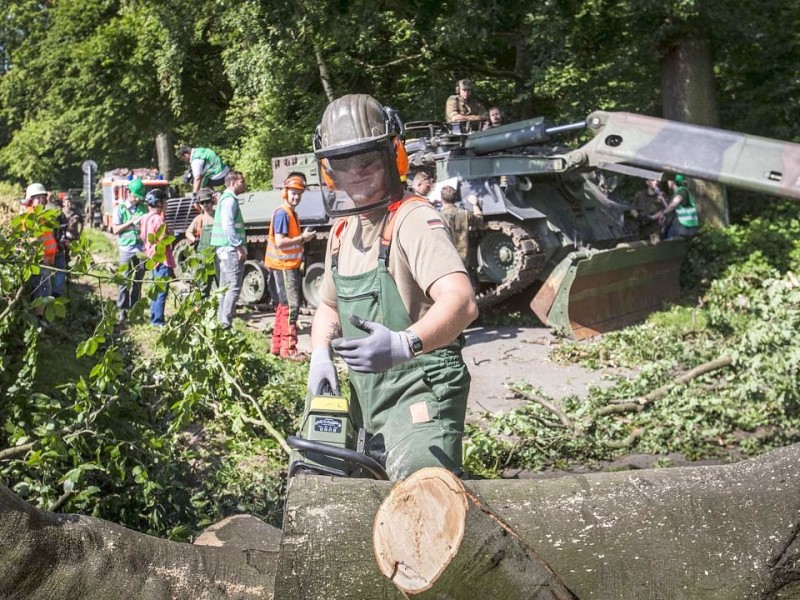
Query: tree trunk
point(693, 533)
point(688, 90)
point(697, 533)
point(165, 153)
point(324, 73)
point(45, 555)
point(434, 539)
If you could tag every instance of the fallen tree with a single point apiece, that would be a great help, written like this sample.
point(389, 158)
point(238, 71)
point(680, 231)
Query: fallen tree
point(697, 533)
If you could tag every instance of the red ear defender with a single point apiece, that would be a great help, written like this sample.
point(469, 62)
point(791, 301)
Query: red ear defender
point(284, 194)
point(401, 157)
point(327, 173)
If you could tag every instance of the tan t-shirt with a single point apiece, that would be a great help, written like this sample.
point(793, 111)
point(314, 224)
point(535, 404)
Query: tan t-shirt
point(421, 253)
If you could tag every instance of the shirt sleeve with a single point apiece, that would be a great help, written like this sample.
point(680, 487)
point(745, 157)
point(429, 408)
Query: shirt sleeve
point(426, 245)
point(198, 166)
point(280, 222)
point(451, 108)
point(117, 220)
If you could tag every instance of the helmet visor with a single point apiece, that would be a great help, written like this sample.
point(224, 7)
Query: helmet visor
point(364, 175)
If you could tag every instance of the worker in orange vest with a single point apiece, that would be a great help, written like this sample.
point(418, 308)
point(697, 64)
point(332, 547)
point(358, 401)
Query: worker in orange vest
point(36, 195)
point(284, 258)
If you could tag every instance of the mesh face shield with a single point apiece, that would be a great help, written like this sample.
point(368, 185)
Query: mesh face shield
point(356, 155)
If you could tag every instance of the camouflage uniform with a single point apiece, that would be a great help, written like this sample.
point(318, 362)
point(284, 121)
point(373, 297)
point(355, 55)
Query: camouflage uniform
point(645, 205)
point(456, 106)
point(459, 221)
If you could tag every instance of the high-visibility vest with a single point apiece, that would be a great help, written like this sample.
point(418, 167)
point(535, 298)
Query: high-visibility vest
point(49, 243)
point(130, 237)
point(291, 256)
point(213, 164)
point(218, 237)
point(687, 214)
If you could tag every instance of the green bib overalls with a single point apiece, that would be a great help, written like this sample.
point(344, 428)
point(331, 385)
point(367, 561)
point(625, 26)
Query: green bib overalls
point(414, 411)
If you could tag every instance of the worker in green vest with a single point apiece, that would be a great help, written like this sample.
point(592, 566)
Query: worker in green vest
point(207, 167)
point(679, 218)
point(125, 226)
point(228, 237)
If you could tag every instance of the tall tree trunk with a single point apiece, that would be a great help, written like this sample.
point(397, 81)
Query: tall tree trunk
point(324, 73)
point(165, 153)
point(688, 91)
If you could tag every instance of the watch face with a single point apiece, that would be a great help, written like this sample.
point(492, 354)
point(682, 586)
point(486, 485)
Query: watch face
point(416, 343)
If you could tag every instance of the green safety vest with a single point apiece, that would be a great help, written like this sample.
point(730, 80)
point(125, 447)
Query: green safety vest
point(218, 237)
point(213, 163)
point(130, 237)
point(687, 215)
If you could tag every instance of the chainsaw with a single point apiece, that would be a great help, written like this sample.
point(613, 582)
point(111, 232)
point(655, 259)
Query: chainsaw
point(329, 444)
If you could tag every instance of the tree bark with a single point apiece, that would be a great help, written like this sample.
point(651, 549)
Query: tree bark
point(688, 94)
point(165, 153)
point(324, 73)
point(45, 555)
point(434, 539)
point(700, 533)
point(692, 533)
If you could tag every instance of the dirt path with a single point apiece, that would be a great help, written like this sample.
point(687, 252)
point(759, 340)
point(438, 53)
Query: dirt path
point(496, 357)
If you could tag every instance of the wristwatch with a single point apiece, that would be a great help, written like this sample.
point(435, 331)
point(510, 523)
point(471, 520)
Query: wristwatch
point(414, 342)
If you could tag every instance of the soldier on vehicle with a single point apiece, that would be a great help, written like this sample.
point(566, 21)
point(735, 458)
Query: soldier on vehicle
point(495, 118)
point(207, 168)
point(684, 223)
point(125, 225)
point(284, 257)
point(646, 204)
point(228, 237)
point(463, 108)
point(395, 297)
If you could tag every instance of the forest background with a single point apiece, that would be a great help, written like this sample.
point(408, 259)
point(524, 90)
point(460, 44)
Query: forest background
point(105, 79)
point(168, 432)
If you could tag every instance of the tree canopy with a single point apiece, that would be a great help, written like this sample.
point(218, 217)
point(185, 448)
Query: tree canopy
point(101, 78)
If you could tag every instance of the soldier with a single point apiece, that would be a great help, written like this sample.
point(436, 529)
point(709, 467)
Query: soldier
point(460, 220)
point(646, 204)
point(463, 108)
point(207, 168)
point(495, 118)
point(395, 297)
point(283, 258)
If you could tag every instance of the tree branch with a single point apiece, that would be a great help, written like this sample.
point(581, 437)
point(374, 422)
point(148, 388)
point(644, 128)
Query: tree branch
point(565, 420)
point(264, 422)
point(639, 404)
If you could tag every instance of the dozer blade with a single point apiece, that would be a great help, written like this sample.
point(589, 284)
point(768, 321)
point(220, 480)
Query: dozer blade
point(595, 291)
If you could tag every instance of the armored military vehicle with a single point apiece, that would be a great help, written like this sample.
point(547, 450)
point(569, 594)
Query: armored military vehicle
point(553, 219)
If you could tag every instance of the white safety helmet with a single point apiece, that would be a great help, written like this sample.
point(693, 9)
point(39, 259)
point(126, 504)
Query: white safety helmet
point(34, 189)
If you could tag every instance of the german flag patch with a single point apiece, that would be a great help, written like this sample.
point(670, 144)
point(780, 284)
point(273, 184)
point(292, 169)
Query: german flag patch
point(436, 224)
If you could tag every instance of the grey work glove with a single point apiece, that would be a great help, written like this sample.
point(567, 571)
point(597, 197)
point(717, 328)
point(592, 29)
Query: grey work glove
point(322, 377)
point(382, 349)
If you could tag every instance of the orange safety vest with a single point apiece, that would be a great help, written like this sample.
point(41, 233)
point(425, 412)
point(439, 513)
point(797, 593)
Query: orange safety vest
point(48, 240)
point(287, 258)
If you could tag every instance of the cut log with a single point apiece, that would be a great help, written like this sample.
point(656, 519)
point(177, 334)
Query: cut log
point(433, 539)
point(699, 533)
point(689, 533)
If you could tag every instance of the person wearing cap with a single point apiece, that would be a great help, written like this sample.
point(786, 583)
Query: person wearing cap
point(199, 232)
point(395, 297)
point(125, 225)
point(229, 239)
point(149, 226)
point(462, 107)
point(678, 219)
point(284, 257)
point(208, 169)
point(41, 283)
